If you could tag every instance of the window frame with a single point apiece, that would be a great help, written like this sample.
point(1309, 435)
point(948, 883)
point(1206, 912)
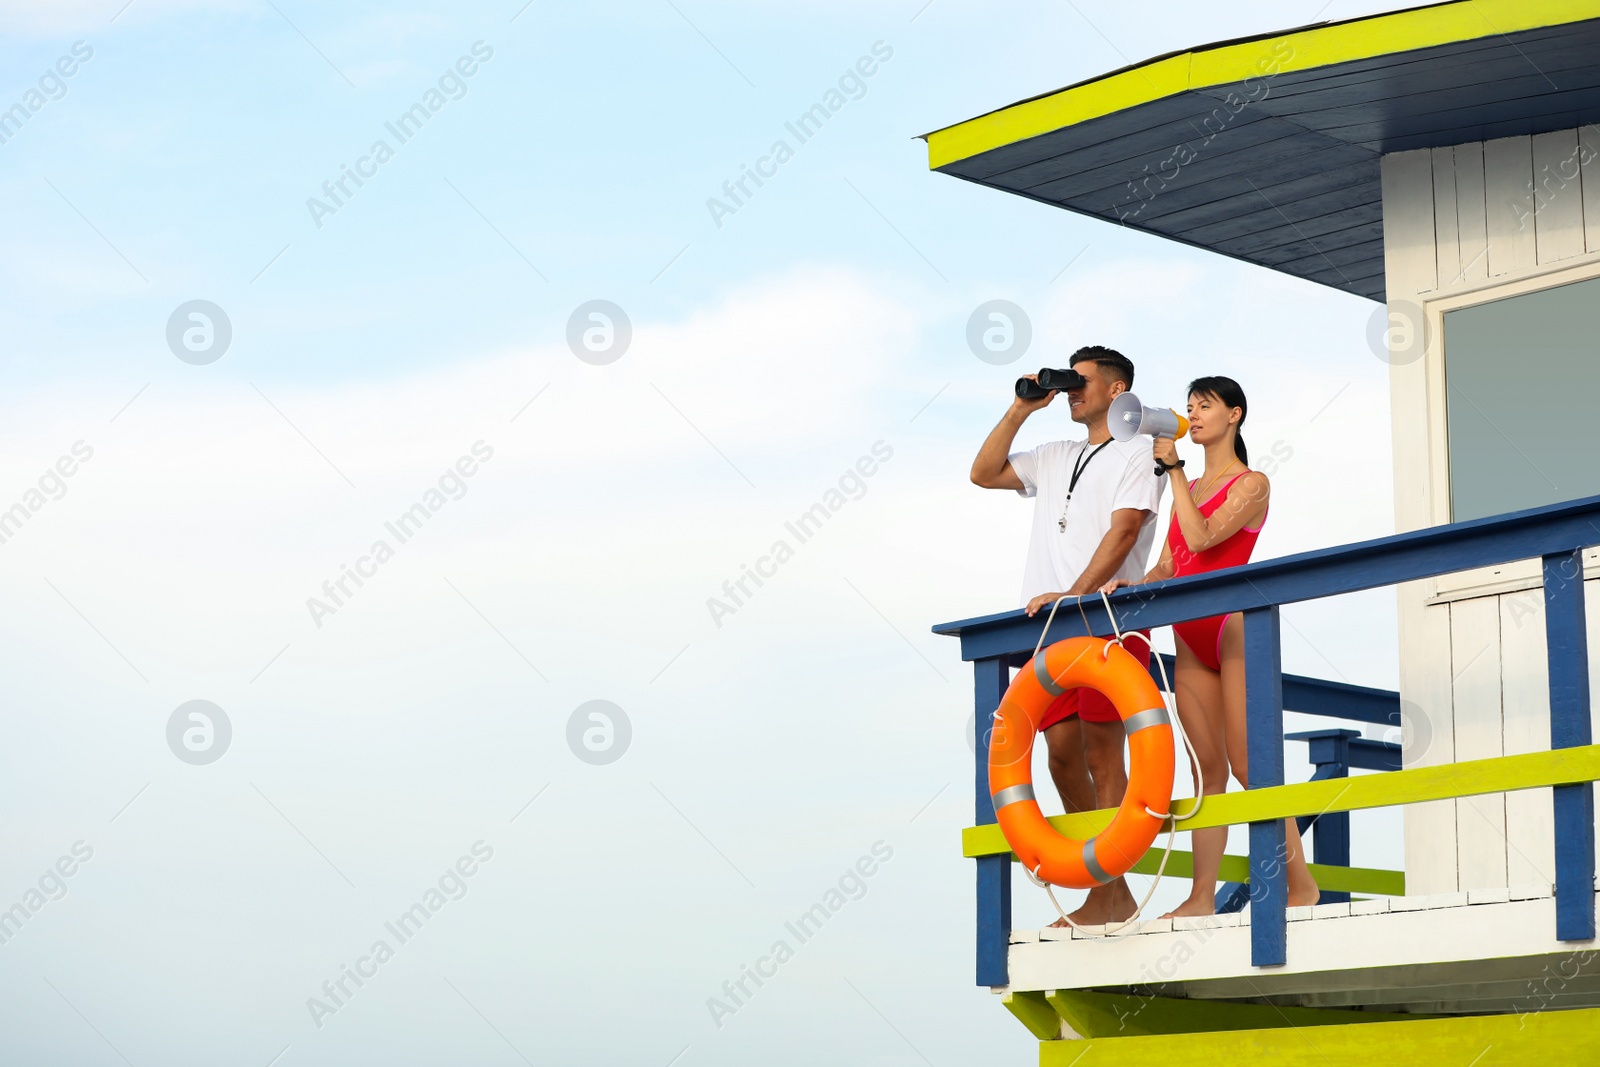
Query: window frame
point(1524, 574)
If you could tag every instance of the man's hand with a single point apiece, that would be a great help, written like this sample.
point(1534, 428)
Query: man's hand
point(1043, 600)
point(1028, 407)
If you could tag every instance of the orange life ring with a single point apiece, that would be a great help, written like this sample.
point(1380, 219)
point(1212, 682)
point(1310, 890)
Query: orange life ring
point(1094, 663)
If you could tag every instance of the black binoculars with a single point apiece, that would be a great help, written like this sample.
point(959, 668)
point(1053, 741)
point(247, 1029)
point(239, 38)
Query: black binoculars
point(1050, 381)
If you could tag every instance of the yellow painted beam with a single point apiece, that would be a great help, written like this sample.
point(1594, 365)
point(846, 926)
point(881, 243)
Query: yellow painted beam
point(1209, 68)
point(1499, 774)
point(1034, 1012)
point(1124, 1015)
point(1030, 118)
point(1547, 1037)
point(1400, 31)
point(1373, 880)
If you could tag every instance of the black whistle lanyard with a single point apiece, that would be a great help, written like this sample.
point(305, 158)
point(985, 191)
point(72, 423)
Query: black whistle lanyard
point(1077, 472)
point(1079, 468)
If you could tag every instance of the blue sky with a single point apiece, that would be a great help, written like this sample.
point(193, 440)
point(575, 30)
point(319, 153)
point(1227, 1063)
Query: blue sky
point(769, 753)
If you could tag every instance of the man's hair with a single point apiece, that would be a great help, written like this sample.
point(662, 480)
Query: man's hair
point(1114, 363)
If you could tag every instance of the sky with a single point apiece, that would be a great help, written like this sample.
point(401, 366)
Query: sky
point(401, 380)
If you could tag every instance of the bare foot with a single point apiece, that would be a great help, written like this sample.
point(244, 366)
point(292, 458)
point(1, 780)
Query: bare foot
point(1119, 903)
point(1086, 915)
point(1109, 903)
point(1192, 906)
point(1089, 914)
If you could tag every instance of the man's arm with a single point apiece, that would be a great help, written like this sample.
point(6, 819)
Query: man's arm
point(992, 469)
point(1107, 559)
point(1113, 550)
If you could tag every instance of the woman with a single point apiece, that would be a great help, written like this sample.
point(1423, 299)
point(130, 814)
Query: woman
point(1216, 519)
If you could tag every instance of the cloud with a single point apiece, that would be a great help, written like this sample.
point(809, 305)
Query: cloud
point(230, 495)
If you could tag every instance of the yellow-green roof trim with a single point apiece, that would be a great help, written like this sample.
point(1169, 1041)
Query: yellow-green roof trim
point(1299, 50)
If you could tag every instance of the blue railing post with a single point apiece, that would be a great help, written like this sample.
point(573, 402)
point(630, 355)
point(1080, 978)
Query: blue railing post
point(1269, 871)
point(1330, 842)
point(1330, 752)
point(991, 678)
point(1567, 636)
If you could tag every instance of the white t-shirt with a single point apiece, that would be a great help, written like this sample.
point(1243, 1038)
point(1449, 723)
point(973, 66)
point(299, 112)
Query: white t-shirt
point(1122, 475)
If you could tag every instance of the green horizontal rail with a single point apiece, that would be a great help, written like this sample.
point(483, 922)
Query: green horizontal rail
point(1499, 774)
point(1373, 880)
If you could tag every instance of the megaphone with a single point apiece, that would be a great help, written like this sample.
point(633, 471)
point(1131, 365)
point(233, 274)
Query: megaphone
point(1129, 417)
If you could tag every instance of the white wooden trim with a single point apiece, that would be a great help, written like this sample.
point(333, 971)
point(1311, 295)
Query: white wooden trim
point(1477, 720)
point(1427, 737)
point(1471, 216)
point(1447, 237)
point(1558, 196)
point(1508, 198)
point(1507, 578)
point(1589, 141)
point(1411, 269)
point(1483, 290)
point(1525, 726)
point(1466, 942)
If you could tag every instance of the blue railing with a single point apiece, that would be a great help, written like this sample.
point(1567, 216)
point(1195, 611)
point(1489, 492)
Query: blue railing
point(1556, 534)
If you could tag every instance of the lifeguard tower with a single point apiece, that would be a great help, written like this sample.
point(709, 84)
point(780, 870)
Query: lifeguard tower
point(1443, 160)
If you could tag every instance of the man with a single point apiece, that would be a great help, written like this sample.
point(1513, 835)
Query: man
point(1094, 519)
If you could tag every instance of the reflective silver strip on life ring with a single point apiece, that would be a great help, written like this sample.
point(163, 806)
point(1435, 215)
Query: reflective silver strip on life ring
point(1097, 872)
point(1041, 672)
point(1146, 719)
point(1011, 794)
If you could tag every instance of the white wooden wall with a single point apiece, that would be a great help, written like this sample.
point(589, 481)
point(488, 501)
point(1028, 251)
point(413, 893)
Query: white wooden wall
point(1467, 222)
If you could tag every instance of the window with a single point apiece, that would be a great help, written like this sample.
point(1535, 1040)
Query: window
point(1522, 378)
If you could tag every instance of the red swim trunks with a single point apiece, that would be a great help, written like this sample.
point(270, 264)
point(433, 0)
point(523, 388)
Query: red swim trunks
point(1090, 704)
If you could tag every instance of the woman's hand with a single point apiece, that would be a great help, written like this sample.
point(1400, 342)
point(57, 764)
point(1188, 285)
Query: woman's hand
point(1165, 450)
point(1114, 584)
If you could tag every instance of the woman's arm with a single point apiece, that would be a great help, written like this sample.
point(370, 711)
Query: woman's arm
point(1246, 503)
point(1185, 512)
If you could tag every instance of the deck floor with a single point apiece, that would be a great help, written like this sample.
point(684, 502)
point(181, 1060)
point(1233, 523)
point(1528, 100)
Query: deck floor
point(1471, 952)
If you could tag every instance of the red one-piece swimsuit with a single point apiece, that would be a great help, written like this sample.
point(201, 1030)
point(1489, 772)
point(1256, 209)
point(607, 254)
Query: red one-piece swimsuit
point(1204, 636)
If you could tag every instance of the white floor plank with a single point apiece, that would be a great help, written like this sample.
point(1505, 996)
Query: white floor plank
point(1331, 953)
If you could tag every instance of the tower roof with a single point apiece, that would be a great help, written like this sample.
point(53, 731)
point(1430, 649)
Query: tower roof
point(1267, 149)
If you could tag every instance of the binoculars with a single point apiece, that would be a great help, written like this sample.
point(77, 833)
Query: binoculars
point(1050, 381)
